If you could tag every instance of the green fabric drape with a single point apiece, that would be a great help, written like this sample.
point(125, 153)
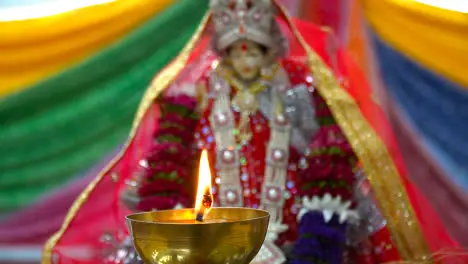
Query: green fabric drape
point(64, 125)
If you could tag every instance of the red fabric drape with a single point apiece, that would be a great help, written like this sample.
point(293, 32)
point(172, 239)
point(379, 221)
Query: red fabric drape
point(80, 243)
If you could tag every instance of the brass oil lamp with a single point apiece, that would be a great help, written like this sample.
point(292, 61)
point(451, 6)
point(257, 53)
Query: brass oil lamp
point(201, 235)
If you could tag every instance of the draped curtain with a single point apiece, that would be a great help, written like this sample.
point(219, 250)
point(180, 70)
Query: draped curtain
point(56, 129)
point(421, 53)
point(69, 87)
point(67, 98)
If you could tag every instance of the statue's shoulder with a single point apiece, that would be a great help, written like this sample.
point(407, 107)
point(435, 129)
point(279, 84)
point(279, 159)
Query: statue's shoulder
point(203, 87)
point(298, 100)
point(298, 72)
point(298, 86)
point(205, 76)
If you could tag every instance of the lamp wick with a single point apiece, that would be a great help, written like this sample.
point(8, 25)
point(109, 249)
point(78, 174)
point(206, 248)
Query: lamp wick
point(206, 204)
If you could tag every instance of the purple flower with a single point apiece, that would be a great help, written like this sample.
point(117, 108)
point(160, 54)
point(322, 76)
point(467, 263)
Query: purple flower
point(306, 245)
point(319, 241)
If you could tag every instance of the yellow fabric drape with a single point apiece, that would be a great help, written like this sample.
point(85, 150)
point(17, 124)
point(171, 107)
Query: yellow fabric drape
point(435, 38)
point(31, 50)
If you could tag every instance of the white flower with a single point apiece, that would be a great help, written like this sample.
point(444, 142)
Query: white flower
point(328, 206)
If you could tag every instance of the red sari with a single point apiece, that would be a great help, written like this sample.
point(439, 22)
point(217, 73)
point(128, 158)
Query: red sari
point(98, 211)
point(377, 248)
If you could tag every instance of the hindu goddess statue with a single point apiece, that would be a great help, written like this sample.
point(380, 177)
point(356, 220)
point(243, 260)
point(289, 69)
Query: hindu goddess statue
point(271, 102)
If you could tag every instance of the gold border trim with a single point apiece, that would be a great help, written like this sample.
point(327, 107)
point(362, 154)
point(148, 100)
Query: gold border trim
point(158, 85)
point(373, 154)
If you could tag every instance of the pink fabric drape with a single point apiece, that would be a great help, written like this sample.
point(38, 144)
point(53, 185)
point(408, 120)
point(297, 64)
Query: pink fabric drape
point(433, 228)
point(36, 223)
point(450, 202)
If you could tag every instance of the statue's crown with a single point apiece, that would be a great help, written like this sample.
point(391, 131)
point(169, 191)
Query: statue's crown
point(243, 19)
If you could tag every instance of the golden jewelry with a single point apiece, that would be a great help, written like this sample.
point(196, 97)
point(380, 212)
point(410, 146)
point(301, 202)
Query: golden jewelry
point(245, 100)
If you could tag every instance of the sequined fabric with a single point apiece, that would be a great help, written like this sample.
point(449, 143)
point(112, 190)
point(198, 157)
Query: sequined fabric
point(369, 239)
point(120, 253)
point(252, 156)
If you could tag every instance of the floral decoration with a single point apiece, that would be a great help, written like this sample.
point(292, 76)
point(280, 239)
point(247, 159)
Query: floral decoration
point(165, 180)
point(319, 242)
point(327, 176)
point(329, 162)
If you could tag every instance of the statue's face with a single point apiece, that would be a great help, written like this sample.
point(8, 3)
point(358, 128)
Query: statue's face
point(246, 58)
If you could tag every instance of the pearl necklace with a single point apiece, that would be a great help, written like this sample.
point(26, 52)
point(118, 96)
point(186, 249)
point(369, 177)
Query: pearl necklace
point(276, 160)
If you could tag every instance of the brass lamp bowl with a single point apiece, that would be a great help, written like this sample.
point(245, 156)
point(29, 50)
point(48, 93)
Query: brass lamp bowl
point(227, 236)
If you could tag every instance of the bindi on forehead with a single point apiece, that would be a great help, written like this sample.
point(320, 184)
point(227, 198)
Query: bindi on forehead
point(244, 46)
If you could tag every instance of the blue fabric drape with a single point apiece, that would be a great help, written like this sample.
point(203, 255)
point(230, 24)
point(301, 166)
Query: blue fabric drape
point(437, 107)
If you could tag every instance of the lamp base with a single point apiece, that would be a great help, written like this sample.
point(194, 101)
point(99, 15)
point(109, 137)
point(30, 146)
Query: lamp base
point(227, 235)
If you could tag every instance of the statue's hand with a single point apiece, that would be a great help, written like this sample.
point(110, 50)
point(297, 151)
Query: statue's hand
point(274, 229)
point(269, 254)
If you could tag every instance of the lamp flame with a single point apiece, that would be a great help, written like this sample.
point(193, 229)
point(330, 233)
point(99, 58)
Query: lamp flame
point(204, 198)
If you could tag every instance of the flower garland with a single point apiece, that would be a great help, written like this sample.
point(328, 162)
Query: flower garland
point(166, 180)
point(327, 176)
point(329, 162)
